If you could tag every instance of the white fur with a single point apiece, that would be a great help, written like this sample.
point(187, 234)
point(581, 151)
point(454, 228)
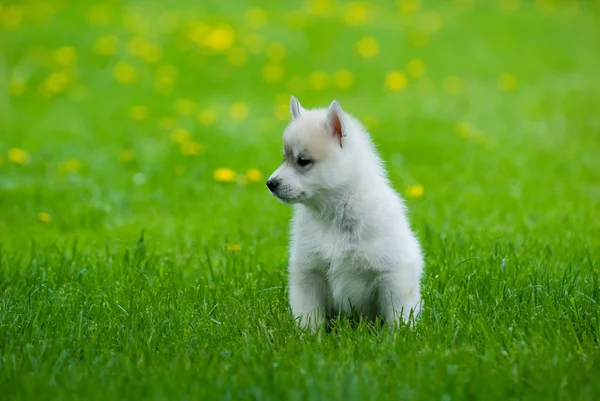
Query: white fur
point(352, 249)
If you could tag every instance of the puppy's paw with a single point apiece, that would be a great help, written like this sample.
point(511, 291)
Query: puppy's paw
point(311, 322)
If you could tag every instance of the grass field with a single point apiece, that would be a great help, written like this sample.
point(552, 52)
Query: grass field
point(141, 256)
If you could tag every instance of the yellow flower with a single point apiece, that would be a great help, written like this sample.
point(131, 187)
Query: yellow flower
point(238, 111)
point(367, 47)
point(17, 156)
point(273, 72)
point(166, 123)
point(254, 175)
point(126, 155)
point(56, 82)
point(236, 57)
point(17, 86)
point(11, 16)
point(507, 82)
point(106, 45)
point(233, 248)
point(276, 52)
point(255, 18)
point(207, 116)
point(179, 169)
point(254, 43)
point(415, 68)
point(185, 107)
point(124, 72)
point(44, 217)
point(65, 56)
point(221, 38)
point(355, 14)
point(453, 85)
point(318, 80)
point(224, 175)
point(343, 79)
point(70, 166)
point(396, 81)
point(415, 191)
point(181, 135)
point(138, 113)
point(191, 148)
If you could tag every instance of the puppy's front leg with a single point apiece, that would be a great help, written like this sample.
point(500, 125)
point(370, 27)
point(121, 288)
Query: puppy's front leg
point(399, 297)
point(308, 297)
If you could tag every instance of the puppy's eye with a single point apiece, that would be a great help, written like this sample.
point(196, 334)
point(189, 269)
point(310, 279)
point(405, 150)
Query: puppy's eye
point(302, 162)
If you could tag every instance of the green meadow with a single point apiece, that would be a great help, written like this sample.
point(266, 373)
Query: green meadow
point(142, 257)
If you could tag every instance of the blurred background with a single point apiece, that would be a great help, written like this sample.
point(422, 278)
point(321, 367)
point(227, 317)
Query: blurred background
point(118, 116)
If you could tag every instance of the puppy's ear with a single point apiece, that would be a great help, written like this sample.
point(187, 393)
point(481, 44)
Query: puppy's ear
point(334, 120)
point(295, 108)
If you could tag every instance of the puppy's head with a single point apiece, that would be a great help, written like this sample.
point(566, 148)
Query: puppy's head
point(317, 155)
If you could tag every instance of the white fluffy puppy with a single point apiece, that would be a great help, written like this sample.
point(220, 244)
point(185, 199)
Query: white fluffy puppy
point(352, 249)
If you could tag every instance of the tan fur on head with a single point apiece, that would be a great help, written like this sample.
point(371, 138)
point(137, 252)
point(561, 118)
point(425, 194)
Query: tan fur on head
point(310, 137)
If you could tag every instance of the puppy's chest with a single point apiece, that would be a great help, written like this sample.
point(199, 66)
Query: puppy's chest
point(337, 249)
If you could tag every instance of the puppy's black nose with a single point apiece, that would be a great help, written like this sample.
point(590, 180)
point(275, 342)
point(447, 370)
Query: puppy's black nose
point(272, 184)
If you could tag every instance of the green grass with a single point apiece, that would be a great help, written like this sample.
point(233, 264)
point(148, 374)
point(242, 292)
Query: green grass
point(134, 290)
